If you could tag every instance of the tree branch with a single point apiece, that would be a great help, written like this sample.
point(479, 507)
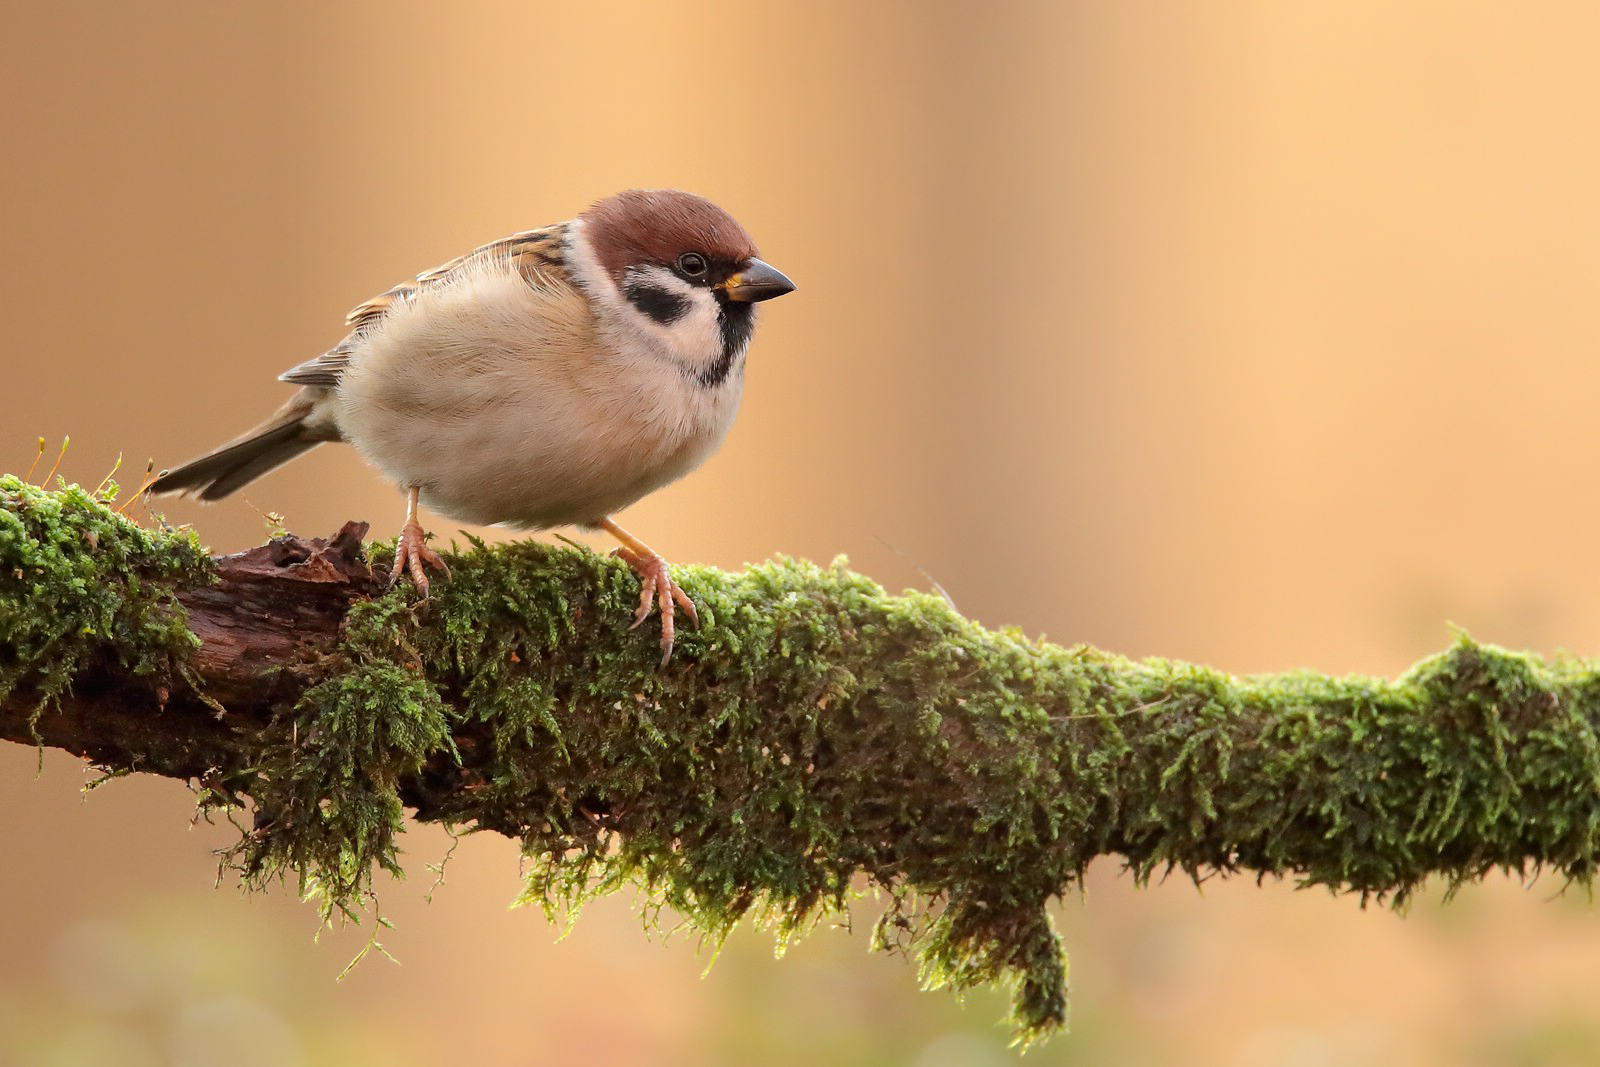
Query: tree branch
point(814, 732)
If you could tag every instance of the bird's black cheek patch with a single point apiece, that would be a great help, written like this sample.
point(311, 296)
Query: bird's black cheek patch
point(663, 305)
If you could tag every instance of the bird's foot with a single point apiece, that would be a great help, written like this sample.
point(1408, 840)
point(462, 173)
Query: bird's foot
point(657, 590)
point(411, 553)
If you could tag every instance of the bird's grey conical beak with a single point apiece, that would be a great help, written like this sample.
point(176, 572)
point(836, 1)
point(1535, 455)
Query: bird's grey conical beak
point(757, 281)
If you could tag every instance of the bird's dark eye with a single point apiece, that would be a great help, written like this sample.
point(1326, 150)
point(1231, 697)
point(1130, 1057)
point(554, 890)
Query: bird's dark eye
point(693, 264)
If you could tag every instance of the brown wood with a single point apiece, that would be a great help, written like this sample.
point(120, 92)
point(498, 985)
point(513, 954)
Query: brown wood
point(279, 604)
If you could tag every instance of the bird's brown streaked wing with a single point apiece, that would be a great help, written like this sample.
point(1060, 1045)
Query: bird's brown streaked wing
point(536, 253)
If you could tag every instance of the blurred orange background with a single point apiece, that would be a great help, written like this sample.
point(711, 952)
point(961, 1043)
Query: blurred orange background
point(1256, 334)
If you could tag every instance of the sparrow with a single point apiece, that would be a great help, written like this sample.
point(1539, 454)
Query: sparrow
point(550, 378)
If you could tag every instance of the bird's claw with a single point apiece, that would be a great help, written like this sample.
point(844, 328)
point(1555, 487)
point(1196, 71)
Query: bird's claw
point(658, 590)
point(412, 554)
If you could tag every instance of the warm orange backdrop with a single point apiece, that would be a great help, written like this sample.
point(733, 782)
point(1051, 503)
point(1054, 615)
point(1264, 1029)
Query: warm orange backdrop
point(1258, 334)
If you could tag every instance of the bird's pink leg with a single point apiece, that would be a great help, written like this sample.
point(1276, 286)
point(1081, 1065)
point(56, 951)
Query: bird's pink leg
point(412, 552)
point(656, 587)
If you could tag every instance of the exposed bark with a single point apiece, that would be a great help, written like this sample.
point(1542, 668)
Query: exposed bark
point(273, 606)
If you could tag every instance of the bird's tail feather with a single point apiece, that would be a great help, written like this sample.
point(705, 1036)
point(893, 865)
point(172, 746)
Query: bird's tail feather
point(275, 442)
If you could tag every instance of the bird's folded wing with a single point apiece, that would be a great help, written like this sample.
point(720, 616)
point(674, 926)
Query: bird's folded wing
point(537, 255)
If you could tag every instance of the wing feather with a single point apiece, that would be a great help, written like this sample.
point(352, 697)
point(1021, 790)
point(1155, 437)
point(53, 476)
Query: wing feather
point(537, 255)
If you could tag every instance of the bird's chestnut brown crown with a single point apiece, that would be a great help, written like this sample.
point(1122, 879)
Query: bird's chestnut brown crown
point(674, 229)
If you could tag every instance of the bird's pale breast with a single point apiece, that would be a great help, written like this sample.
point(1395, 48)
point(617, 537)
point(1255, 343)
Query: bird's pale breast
point(498, 399)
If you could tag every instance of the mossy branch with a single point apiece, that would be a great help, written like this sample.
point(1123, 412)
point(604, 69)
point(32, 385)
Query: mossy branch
point(813, 735)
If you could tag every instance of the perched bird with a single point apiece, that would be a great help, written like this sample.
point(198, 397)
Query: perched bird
point(549, 378)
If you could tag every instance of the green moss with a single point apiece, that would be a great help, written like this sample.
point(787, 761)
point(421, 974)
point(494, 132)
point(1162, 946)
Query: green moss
point(816, 737)
point(79, 582)
point(326, 790)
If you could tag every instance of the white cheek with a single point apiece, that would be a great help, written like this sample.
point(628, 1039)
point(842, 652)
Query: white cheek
point(691, 341)
point(695, 336)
